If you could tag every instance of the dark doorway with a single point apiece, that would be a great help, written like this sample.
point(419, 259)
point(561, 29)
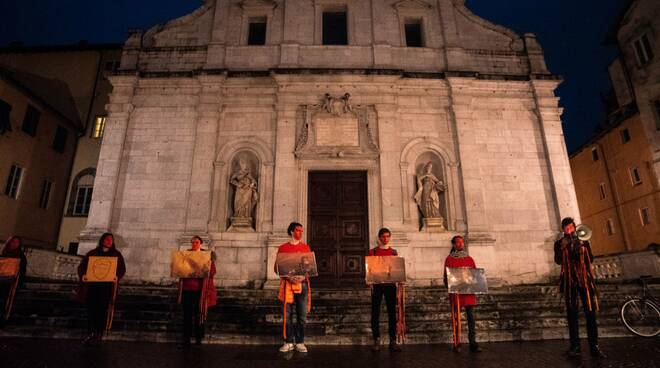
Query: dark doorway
point(338, 226)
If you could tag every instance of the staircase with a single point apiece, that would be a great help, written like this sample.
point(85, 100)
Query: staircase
point(150, 313)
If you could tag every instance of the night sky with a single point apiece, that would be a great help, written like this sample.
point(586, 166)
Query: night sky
point(570, 31)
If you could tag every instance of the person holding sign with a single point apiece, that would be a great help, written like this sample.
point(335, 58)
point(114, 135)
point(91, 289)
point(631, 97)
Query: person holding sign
point(457, 258)
point(13, 250)
point(389, 291)
point(99, 284)
point(196, 295)
point(294, 293)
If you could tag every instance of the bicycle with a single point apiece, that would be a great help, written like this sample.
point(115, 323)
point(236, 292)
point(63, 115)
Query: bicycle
point(641, 315)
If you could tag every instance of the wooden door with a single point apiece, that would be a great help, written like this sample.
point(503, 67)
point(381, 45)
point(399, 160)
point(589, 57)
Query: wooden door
point(338, 225)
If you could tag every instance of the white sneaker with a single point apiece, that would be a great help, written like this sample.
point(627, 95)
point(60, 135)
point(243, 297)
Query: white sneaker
point(287, 347)
point(301, 348)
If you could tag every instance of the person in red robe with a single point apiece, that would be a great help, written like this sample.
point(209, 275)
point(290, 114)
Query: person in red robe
point(295, 294)
point(457, 258)
point(196, 295)
point(389, 291)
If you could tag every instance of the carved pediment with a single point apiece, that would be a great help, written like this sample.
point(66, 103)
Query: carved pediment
point(261, 4)
point(411, 5)
point(335, 128)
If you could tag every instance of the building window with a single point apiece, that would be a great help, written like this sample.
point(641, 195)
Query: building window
point(601, 191)
point(335, 27)
point(5, 123)
point(59, 143)
point(257, 31)
point(644, 216)
point(99, 127)
point(80, 195)
point(82, 201)
point(13, 181)
point(643, 50)
point(44, 198)
point(635, 176)
point(594, 155)
point(31, 120)
point(625, 135)
point(609, 227)
point(413, 29)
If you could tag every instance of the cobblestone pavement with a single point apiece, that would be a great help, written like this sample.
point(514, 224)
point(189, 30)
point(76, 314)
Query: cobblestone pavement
point(41, 353)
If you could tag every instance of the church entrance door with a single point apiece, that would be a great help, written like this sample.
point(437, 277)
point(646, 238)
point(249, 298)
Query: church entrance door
point(338, 226)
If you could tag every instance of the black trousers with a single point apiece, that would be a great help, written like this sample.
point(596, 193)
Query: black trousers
point(472, 335)
point(389, 291)
point(5, 288)
point(191, 322)
point(572, 312)
point(99, 296)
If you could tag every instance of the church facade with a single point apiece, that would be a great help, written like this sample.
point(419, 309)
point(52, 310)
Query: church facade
point(343, 115)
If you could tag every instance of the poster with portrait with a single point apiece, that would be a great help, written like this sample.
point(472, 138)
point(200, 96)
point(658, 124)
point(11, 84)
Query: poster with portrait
point(101, 269)
point(191, 264)
point(466, 281)
point(385, 270)
point(296, 264)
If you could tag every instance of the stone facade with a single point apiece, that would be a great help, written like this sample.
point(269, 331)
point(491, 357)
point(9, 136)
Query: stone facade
point(191, 98)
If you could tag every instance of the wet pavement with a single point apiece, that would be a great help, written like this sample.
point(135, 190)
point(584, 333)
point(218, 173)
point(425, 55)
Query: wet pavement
point(51, 353)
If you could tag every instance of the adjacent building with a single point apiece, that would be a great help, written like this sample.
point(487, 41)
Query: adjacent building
point(617, 172)
point(39, 128)
point(84, 68)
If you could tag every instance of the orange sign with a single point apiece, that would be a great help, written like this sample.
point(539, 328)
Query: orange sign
point(101, 269)
point(9, 267)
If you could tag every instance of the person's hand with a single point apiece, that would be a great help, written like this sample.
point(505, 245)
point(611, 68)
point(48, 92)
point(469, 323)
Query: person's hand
point(84, 278)
point(114, 279)
point(296, 279)
point(564, 243)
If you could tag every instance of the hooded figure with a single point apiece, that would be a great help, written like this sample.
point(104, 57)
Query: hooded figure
point(99, 296)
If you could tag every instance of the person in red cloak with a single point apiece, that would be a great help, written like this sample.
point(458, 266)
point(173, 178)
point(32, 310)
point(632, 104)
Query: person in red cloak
point(196, 295)
point(458, 257)
point(13, 249)
point(295, 293)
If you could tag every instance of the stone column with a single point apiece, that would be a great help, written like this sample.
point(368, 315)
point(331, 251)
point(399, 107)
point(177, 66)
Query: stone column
point(469, 151)
point(119, 110)
point(285, 190)
point(549, 113)
point(198, 211)
point(390, 170)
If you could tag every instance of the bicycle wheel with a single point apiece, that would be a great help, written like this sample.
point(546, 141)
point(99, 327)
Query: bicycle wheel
point(641, 317)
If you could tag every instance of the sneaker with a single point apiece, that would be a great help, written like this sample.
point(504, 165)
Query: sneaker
point(394, 347)
point(475, 348)
point(287, 347)
point(301, 348)
point(376, 345)
point(574, 351)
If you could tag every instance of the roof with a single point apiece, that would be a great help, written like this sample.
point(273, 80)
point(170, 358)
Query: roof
point(53, 93)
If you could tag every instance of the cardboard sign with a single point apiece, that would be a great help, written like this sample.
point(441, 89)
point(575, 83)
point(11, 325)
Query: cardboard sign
point(191, 264)
point(101, 269)
point(296, 264)
point(385, 270)
point(9, 267)
point(466, 281)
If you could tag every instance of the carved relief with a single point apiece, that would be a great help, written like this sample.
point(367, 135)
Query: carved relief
point(336, 128)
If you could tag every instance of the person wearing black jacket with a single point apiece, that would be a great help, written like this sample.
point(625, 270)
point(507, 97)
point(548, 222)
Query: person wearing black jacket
point(577, 281)
point(98, 295)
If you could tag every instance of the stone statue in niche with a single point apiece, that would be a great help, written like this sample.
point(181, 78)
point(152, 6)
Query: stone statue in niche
point(429, 191)
point(246, 197)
